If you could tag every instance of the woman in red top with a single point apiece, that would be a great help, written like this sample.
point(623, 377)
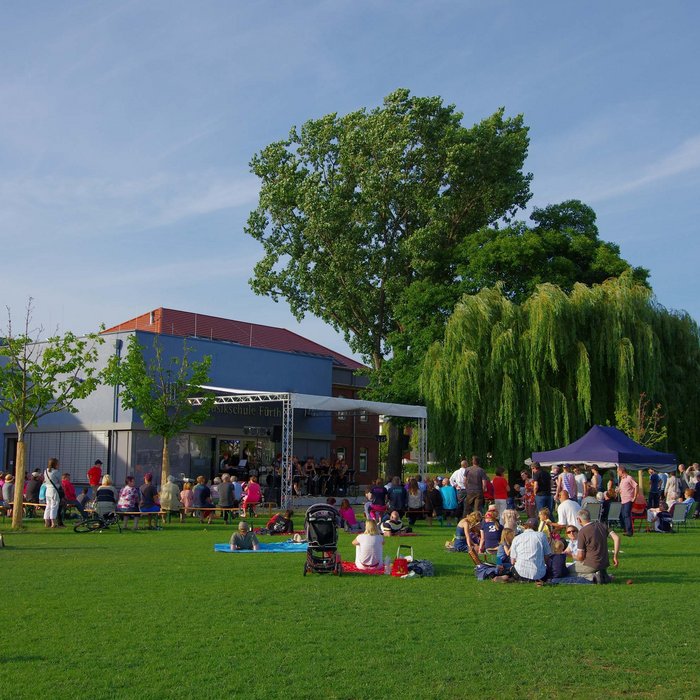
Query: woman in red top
point(70, 498)
point(500, 491)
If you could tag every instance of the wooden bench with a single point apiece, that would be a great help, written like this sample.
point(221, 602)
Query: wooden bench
point(233, 510)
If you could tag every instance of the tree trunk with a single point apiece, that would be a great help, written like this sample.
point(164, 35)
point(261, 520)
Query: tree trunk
point(17, 509)
point(394, 465)
point(165, 469)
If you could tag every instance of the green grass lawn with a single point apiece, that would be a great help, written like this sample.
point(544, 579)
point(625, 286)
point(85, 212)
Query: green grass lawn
point(160, 614)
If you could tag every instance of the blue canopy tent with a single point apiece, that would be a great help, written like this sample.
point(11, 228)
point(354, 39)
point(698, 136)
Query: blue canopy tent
point(607, 447)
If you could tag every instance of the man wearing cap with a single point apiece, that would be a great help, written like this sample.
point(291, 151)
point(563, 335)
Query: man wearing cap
point(591, 557)
point(94, 475)
point(528, 554)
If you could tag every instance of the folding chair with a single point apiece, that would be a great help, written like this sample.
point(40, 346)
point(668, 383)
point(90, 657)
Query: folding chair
point(690, 514)
point(639, 512)
point(614, 513)
point(594, 509)
point(678, 516)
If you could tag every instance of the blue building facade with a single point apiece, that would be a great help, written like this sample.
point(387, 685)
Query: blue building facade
point(101, 429)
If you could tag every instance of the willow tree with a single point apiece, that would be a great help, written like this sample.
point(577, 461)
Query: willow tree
point(511, 378)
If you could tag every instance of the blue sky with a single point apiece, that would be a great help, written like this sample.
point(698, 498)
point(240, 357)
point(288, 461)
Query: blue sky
point(126, 129)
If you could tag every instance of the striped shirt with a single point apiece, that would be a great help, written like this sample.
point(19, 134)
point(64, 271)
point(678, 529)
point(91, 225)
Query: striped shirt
point(528, 552)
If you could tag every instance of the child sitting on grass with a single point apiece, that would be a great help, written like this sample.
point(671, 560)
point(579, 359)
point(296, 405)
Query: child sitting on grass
point(556, 566)
point(545, 522)
point(503, 552)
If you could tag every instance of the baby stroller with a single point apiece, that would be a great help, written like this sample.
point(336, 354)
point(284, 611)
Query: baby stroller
point(321, 525)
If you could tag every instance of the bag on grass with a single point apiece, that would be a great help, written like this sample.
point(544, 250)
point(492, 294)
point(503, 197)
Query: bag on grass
point(422, 567)
point(485, 571)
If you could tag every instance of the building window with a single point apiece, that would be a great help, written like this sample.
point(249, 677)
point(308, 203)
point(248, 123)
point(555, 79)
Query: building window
point(341, 415)
point(363, 416)
point(363, 459)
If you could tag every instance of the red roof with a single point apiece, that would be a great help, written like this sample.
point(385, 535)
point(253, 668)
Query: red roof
point(187, 324)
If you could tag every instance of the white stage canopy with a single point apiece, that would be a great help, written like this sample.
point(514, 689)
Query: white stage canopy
point(292, 400)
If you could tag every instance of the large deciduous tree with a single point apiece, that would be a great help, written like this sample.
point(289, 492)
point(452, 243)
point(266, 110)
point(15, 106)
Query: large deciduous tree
point(354, 210)
point(42, 377)
point(511, 378)
point(159, 388)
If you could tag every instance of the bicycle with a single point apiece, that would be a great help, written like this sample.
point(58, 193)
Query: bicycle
point(97, 523)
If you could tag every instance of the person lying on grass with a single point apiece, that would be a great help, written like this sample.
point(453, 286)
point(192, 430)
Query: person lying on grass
point(244, 538)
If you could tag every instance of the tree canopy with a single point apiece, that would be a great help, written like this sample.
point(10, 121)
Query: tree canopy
point(355, 209)
point(39, 378)
point(159, 389)
point(511, 378)
point(379, 221)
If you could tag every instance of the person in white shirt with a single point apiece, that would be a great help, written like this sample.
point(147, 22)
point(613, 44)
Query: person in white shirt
point(369, 547)
point(459, 481)
point(581, 484)
point(567, 511)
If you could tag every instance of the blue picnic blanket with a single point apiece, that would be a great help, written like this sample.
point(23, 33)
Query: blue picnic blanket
point(264, 547)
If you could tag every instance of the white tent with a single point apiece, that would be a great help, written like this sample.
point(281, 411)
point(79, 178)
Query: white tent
point(292, 400)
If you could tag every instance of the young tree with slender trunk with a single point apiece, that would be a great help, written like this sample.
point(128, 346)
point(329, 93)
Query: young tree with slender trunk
point(42, 377)
point(158, 389)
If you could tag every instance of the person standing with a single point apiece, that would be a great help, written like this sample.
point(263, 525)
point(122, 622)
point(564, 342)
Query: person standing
point(543, 487)
point(501, 488)
point(476, 484)
point(628, 489)
point(226, 497)
point(566, 482)
point(94, 475)
point(581, 484)
point(52, 493)
point(458, 480)
point(654, 489)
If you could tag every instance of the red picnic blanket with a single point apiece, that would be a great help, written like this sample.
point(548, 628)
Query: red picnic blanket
point(350, 568)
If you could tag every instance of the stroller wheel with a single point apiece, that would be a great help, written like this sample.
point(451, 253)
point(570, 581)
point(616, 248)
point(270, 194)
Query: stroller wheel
point(306, 568)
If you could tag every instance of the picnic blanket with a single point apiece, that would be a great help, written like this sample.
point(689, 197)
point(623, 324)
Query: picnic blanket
point(264, 547)
point(350, 568)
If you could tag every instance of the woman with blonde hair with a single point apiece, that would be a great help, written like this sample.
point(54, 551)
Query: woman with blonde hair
point(106, 497)
point(369, 546)
point(187, 497)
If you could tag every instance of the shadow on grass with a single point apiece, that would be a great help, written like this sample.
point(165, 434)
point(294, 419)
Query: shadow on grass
point(22, 657)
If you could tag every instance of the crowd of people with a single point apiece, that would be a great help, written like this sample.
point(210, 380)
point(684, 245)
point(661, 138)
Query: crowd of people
point(484, 511)
point(56, 493)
